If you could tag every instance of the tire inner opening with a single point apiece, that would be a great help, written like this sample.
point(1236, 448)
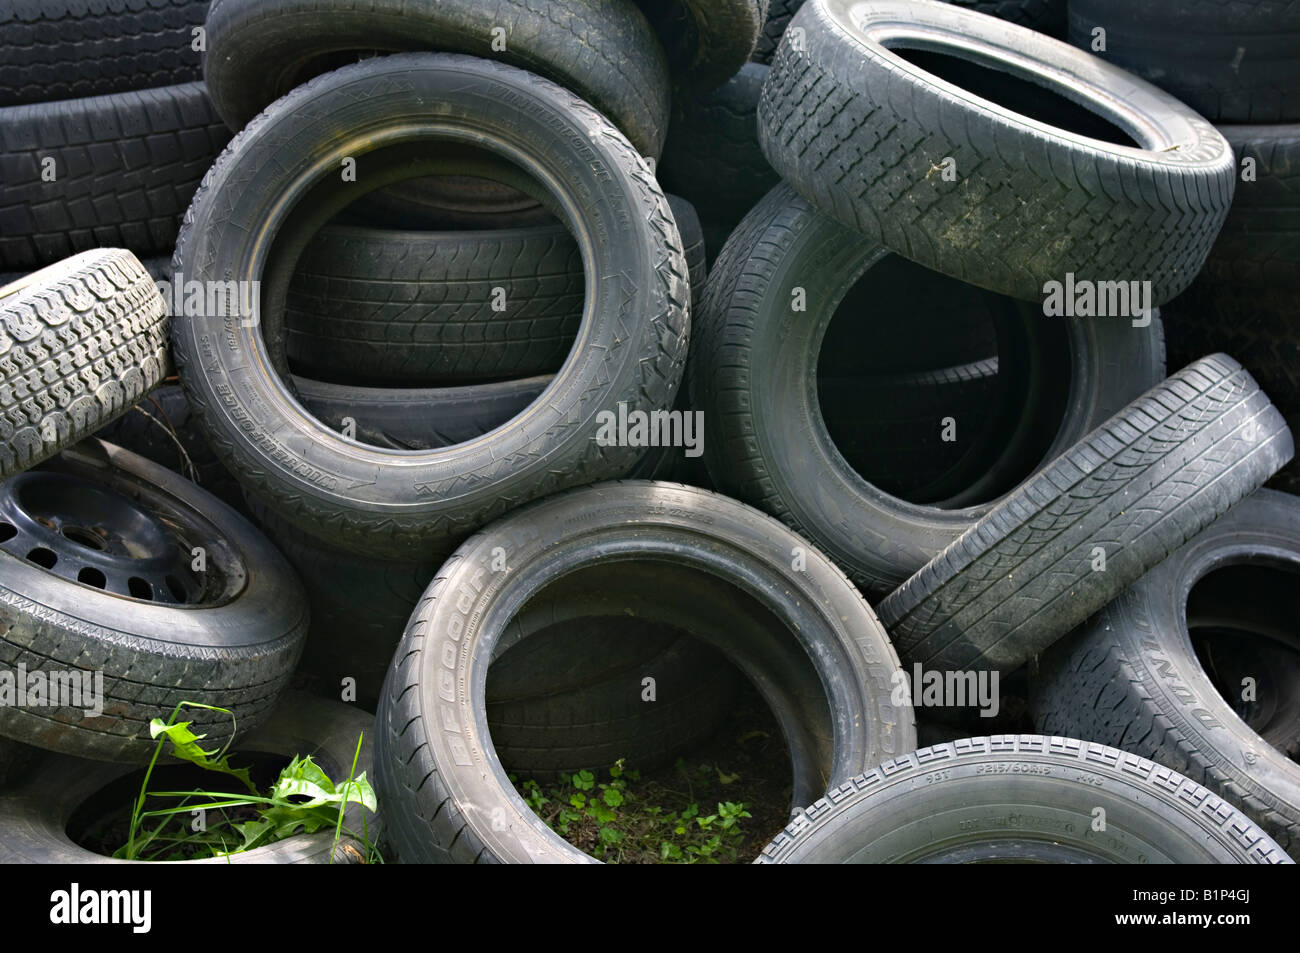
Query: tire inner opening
point(937, 392)
point(1019, 95)
point(1243, 621)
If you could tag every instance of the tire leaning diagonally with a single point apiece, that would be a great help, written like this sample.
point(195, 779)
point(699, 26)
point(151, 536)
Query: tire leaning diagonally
point(1092, 522)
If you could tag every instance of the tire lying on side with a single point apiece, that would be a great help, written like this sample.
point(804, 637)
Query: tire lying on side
point(1021, 799)
point(1162, 671)
point(573, 695)
point(820, 659)
point(1046, 162)
point(67, 49)
point(258, 50)
point(36, 814)
point(1229, 62)
point(630, 347)
point(389, 307)
point(1092, 522)
point(113, 170)
point(80, 342)
point(755, 362)
point(125, 579)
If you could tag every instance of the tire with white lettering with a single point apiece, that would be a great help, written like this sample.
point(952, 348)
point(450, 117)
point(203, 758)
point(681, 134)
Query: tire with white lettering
point(80, 342)
point(127, 589)
point(992, 153)
point(400, 308)
point(631, 343)
point(1092, 522)
point(64, 796)
point(1230, 60)
point(67, 49)
point(113, 170)
point(767, 330)
point(798, 630)
point(605, 52)
point(1021, 799)
point(1197, 665)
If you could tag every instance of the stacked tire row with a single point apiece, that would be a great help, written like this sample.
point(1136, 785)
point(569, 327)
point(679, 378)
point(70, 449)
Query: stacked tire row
point(410, 327)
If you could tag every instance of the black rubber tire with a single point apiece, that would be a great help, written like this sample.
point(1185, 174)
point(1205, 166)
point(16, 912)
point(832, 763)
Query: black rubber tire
point(753, 372)
point(712, 156)
point(359, 609)
point(1230, 60)
point(236, 647)
point(447, 202)
point(80, 342)
point(605, 52)
point(863, 133)
point(161, 428)
point(631, 344)
point(1132, 676)
point(1137, 487)
point(591, 714)
point(35, 815)
point(1021, 798)
point(822, 654)
point(1043, 16)
point(419, 418)
point(69, 49)
point(707, 41)
point(126, 166)
point(416, 309)
point(16, 761)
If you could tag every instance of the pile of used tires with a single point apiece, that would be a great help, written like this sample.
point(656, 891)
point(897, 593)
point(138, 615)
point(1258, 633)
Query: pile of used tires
point(360, 375)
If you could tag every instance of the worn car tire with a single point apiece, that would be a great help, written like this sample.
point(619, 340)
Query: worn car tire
point(1021, 799)
point(1056, 163)
point(1135, 489)
point(604, 52)
point(822, 662)
point(35, 815)
point(393, 308)
point(1134, 675)
point(755, 362)
point(80, 342)
point(69, 49)
point(224, 631)
point(631, 343)
point(113, 170)
point(707, 41)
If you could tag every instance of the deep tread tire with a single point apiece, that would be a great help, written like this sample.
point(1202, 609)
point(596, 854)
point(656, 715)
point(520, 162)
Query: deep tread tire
point(124, 167)
point(80, 342)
